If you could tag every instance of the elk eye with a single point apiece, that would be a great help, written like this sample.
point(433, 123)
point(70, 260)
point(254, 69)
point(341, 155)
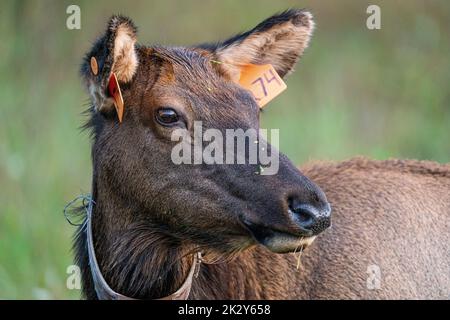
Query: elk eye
point(166, 116)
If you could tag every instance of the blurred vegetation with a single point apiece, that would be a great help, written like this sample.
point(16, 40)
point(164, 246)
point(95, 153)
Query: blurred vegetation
point(382, 94)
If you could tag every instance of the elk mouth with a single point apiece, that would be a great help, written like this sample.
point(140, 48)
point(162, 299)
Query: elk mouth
point(279, 241)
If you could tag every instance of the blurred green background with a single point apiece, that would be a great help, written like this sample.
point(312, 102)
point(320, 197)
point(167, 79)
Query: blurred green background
point(382, 93)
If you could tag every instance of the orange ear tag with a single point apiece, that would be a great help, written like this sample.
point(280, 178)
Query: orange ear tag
point(263, 81)
point(94, 66)
point(114, 91)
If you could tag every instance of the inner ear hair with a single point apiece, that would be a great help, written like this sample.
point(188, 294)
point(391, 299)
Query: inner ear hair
point(114, 52)
point(125, 59)
point(279, 40)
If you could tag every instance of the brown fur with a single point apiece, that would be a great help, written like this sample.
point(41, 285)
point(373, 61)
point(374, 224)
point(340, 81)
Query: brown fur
point(394, 214)
point(151, 215)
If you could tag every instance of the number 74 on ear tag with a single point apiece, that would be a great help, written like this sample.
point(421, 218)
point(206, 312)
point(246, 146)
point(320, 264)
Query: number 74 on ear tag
point(263, 81)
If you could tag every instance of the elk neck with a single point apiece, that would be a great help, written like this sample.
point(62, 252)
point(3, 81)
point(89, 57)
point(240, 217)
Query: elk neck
point(137, 259)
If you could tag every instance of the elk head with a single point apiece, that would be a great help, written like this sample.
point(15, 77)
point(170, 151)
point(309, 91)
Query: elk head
point(222, 207)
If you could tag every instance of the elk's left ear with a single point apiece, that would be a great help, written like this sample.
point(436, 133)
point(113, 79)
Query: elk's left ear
point(279, 40)
point(114, 52)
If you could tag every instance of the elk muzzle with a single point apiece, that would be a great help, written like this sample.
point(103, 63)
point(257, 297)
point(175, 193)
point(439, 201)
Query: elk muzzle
point(297, 220)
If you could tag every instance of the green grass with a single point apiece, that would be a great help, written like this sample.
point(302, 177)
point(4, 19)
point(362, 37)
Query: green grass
point(356, 92)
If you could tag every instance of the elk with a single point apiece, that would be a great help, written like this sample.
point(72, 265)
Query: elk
point(150, 219)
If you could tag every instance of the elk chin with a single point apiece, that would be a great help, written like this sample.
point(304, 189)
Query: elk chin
point(279, 242)
point(286, 243)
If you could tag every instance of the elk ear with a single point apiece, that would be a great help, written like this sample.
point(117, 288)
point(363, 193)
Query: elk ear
point(113, 53)
point(279, 40)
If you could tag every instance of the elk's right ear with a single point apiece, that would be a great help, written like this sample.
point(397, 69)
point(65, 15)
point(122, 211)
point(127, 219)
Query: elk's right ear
point(279, 40)
point(114, 52)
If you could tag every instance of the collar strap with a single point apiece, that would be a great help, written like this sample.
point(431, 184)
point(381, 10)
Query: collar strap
point(104, 291)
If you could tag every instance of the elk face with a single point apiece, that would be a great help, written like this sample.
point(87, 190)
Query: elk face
point(223, 207)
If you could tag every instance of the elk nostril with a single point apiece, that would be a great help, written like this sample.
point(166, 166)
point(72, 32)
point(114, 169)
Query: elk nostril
point(309, 218)
point(304, 216)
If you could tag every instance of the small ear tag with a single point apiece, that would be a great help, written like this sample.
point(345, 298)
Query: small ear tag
point(263, 81)
point(94, 66)
point(114, 91)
